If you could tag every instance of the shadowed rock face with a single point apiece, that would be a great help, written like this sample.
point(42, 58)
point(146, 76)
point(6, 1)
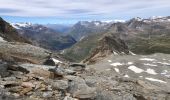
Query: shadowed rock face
point(9, 33)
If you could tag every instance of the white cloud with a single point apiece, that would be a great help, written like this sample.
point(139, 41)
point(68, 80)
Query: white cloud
point(83, 8)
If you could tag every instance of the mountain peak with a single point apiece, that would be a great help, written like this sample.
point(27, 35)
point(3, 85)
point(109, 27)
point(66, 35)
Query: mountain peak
point(21, 24)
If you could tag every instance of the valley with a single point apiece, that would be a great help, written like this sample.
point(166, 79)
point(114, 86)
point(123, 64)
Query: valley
point(94, 60)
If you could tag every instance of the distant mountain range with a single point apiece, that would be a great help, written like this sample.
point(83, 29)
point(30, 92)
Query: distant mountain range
point(10, 34)
point(84, 28)
point(43, 36)
point(142, 36)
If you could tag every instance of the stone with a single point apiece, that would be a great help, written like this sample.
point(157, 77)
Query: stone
point(27, 85)
point(49, 62)
point(25, 91)
point(3, 69)
point(69, 98)
point(79, 89)
point(60, 84)
point(47, 94)
point(42, 73)
point(77, 67)
point(9, 79)
point(58, 71)
point(70, 72)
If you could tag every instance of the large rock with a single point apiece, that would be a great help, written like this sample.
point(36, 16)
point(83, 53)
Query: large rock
point(79, 89)
point(38, 70)
point(3, 69)
point(77, 66)
point(60, 84)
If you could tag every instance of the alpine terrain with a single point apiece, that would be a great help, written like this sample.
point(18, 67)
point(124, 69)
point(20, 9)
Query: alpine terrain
point(91, 60)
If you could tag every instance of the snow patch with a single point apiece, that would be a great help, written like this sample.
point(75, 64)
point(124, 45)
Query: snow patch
point(147, 59)
point(109, 60)
point(126, 76)
point(155, 80)
point(135, 69)
point(130, 63)
point(164, 63)
point(117, 70)
point(132, 53)
point(140, 76)
point(151, 71)
point(164, 59)
point(164, 72)
point(115, 53)
point(116, 64)
point(2, 39)
point(147, 64)
point(56, 61)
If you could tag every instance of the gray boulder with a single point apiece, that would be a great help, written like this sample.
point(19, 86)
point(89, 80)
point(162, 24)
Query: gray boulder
point(77, 66)
point(79, 89)
point(59, 84)
point(4, 69)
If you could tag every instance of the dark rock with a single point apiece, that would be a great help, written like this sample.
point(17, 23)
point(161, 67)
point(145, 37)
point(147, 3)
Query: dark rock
point(49, 62)
point(4, 69)
point(77, 66)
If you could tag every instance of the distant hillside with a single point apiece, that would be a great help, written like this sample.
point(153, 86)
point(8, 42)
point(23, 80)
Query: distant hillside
point(62, 29)
point(8, 33)
point(43, 36)
point(95, 47)
point(84, 28)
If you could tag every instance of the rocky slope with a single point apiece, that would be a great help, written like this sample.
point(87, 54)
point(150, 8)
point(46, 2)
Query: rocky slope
point(96, 44)
point(43, 36)
point(8, 33)
point(113, 78)
point(145, 36)
point(107, 45)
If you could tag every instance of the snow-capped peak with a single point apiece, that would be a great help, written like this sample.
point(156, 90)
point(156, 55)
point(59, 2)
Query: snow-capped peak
point(19, 25)
point(114, 21)
point(155, 17)
point(138, 18)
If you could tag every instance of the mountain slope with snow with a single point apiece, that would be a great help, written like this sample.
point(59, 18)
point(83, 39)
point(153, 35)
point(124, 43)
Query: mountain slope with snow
point(44, 37)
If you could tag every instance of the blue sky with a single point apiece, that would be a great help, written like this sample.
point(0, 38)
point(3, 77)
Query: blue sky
point(71, 11)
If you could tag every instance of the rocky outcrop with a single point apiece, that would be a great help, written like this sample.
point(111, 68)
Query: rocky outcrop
point(22, 52)
point(108, 45)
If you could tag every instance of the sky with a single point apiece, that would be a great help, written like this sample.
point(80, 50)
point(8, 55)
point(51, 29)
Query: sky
point(71, 11)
